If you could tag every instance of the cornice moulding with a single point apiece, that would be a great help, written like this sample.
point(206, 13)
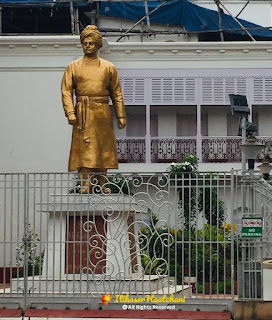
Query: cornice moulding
point(135, 51)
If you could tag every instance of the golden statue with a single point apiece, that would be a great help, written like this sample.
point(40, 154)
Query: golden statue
point(94, 80)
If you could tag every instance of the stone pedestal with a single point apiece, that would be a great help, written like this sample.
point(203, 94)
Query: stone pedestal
point(92, 235)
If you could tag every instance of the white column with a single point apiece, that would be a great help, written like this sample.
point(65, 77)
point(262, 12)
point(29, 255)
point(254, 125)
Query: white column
point(118, 255)
point(148, 135)
point(198, 119)
point(54, 256)
point(147, 121)
point(198, 133)
point(250, 97)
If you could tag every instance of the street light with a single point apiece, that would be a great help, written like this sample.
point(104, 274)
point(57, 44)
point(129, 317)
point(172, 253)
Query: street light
point(250, 149)
point(265, 167)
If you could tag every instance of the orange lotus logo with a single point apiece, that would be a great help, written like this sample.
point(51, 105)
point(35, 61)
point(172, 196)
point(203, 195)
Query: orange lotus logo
point(106, 298)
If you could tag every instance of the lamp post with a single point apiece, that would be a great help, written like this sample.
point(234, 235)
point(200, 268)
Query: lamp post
point(265, 167)
point(250, 149)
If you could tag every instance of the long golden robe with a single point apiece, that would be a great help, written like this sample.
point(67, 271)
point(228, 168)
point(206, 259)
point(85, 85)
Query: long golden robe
point(93, 140)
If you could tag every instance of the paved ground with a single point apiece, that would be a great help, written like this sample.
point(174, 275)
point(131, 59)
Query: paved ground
point(50, 314)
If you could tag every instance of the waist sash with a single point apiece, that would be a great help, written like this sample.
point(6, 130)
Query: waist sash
point(84, 113)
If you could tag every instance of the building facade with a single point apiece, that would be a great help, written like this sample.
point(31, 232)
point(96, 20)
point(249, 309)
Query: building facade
point(176, 96)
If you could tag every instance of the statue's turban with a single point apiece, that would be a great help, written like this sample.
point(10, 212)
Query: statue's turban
point(94, 33)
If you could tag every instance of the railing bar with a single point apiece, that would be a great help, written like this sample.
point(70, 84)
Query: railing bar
point(11, 233)
point(80, 243)
point(190, 224)
point(196, 235)
point(169, 250)
point(262, 255)
point(255, 248)
point(17, 237)
point(5, 226)
point(211, 222)
point(74, 235)
point(54, 235)
point(203, 237)
point(61, 240)
point(181, 203)
point(236, 193)
point(33, 251)
point(88, 248)
point(217, 235)
point(26, 230)
point(249, 268)
point(224, 237)
point(67, 237)
point(41, 228)
point(176, 224)
point(47, 233)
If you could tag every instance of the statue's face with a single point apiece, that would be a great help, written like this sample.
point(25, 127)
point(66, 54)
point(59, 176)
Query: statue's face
point(89, 47)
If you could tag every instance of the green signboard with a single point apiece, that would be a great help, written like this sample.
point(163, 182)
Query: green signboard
point(252, 227)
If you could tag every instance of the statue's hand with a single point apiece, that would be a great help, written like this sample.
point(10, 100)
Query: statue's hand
point(121, 122)
point(72, 119)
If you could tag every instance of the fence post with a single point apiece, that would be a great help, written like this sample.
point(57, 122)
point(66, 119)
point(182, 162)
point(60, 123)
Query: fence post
point(232, 234)
point(25, 239)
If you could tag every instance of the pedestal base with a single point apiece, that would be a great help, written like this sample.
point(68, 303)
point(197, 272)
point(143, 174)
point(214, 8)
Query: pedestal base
point(91, 234)
point(76, 284)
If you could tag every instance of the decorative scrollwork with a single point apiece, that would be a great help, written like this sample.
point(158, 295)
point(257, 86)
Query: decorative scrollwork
point(126, 245)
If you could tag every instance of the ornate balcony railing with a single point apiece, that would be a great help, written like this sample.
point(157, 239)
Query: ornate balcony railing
point(131, 150)
point(171, 149)
point(167, 150)
point(223, 149)
point(226, 149)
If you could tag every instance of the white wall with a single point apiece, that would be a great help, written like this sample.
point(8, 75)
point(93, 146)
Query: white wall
point(35, 135)
point(34, 130)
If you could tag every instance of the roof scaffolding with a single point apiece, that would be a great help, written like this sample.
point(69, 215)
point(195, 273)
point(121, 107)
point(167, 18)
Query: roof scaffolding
point(187, 16)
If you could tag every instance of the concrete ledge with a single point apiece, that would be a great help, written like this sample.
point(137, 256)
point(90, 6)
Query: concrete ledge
point(253, 310)
point(131, 314)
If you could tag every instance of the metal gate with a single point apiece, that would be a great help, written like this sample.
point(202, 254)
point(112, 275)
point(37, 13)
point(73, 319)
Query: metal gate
point(172, 235)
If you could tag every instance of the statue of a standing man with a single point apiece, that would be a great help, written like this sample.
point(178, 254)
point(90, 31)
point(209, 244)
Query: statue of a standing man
point(94, 80)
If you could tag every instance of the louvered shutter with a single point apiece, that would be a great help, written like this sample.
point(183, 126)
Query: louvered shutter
point(133, 90)
point(173, 90)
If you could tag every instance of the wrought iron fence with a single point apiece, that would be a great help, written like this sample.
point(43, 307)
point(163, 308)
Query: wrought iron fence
point(171, 149)
point(133, 234)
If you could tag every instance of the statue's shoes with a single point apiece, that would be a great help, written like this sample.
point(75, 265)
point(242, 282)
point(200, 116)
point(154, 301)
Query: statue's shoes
point(84, 190)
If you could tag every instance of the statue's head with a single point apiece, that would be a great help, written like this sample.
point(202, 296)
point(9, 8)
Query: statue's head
point(91, 32)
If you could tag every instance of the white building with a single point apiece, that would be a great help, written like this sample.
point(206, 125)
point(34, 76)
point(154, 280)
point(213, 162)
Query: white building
point(176, 93)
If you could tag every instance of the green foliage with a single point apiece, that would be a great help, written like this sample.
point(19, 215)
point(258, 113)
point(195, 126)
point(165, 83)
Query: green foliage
point(188, 165)
point(197, 193)
point(155, 241)
point(34, 259)
point(216, 287)
point(204, 253)
point(208, 201)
